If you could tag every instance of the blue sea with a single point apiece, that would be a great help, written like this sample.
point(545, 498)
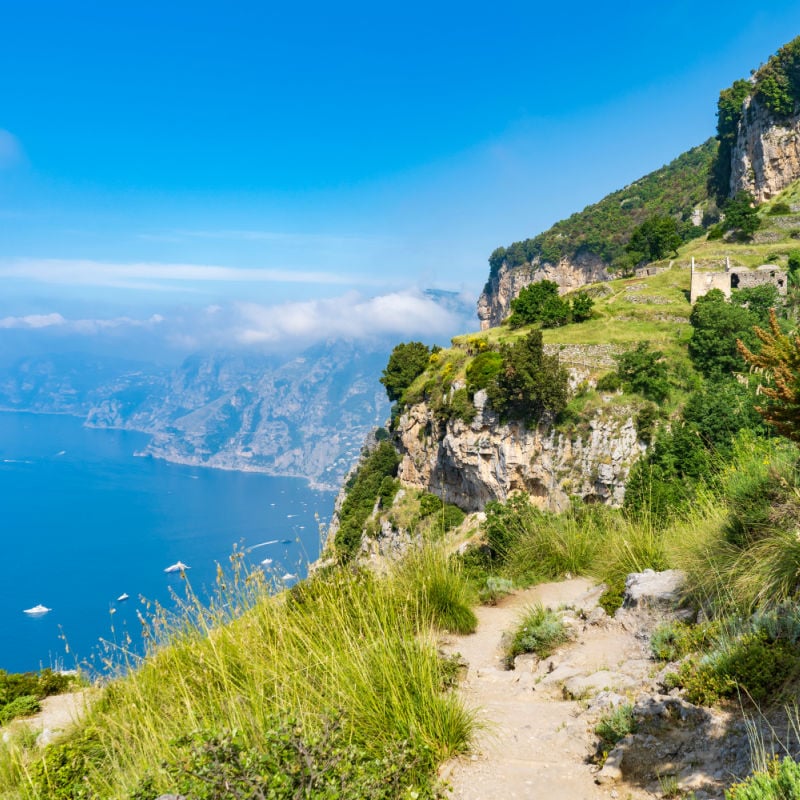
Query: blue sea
point(84, 521)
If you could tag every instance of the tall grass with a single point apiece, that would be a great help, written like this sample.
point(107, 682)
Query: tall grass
point(344, 646)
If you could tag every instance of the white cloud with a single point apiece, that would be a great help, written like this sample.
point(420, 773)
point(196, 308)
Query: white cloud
point(11, 152)
point(85, 326)
point(352, 316)
point(32, 321)
point(143, 275)
point(295, 325)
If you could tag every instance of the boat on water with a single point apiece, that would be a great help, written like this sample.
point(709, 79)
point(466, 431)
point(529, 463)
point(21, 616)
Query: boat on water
point(178, 566)
point(266, 562)
point(123, 597)
point(37, 611)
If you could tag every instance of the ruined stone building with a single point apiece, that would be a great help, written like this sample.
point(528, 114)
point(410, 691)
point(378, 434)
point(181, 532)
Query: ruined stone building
point(729, 278)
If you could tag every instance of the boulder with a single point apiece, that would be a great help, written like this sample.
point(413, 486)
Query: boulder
point(653, 590)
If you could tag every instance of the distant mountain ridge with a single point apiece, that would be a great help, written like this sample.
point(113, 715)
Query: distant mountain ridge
point(305, 417)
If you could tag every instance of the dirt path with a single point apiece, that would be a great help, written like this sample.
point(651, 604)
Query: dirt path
point(536, 743)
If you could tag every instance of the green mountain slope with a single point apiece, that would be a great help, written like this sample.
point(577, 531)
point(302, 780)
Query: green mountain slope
point(604, 228)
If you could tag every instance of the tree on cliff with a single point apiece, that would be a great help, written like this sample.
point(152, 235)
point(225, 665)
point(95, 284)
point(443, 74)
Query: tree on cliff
point(529, 382)
point(780, 361)
point(407, 361)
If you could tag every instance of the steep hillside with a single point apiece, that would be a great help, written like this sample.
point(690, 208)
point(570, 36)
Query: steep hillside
point(590, 244)
point(457, 443)
point(756, 150)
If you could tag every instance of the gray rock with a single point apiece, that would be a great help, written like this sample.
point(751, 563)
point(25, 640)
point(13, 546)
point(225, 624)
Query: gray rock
point(653, 590)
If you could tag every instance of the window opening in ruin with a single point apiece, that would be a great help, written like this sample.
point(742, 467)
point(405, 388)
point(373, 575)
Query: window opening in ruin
point(734, 281)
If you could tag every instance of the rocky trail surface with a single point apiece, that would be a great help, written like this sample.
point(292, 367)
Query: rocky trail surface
point(538, 738)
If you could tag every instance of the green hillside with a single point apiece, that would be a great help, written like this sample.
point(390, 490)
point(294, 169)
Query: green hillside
point(603, 229)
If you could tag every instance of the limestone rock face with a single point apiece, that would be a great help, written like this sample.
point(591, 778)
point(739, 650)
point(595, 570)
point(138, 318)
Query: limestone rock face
point(650, 589)
point(470, 465)
point(766, 157)
point(494, 304)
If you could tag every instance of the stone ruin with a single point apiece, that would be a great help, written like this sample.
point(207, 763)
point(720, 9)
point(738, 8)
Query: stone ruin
point(729, 278)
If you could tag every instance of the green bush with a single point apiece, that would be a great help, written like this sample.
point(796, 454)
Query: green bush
point(748, 664)
point(539, 302)
point(780, 209)
point(530, 383)
point(672, 641)
point(407, 361)
point(645, 372)
point(540, 631)
point(615, 725)
point(22, 706)
point(609, 382)
point(780, 781)
point(62, 773)
point(483, 369)
point(292, 762)
point(362, 491)
point(656, 238)
point(612, 598)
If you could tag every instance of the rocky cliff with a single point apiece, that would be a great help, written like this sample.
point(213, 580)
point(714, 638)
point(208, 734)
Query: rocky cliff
point(766, 155)
point(470, 465)
point(494, 304)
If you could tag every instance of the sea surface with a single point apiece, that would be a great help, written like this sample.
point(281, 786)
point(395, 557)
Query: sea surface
point(83, 521)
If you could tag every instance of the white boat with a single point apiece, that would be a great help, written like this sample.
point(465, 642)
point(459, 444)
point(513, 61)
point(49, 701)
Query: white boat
point(289, 577)
point(178, 566)
point(123, 597)
point(266, 562)
point(37, 611)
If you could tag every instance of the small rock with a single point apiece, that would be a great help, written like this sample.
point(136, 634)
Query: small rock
point(612, 769)
point(597, 616)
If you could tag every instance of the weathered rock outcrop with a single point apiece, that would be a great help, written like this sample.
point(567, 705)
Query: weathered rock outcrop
point(494, 304)
point(766, 157)
point(470, 465)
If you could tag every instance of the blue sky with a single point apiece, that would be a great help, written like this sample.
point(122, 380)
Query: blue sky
point(295, 164)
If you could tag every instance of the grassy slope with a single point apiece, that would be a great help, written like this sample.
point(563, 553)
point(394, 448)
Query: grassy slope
point(343, 647)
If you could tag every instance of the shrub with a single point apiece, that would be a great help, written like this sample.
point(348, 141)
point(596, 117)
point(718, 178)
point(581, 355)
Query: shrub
point(780, 209)
point(656, 238)
point(63, 771)
point(363, 489)
point(645, 422)
point(672, 641)
point(539, 302)
point(529, 383)
point(540, 631)
point(22, 706)
point(780, 781)
point(407, 361)
point(749, 664)
point(643, 371)
point(291, 762)
point(483, 369)
point(716, 327)
point(615, 725)
point(609, 382)
point(494, 589)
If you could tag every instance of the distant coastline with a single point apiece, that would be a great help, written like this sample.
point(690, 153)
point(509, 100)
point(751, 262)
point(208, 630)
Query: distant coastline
point(313, 483)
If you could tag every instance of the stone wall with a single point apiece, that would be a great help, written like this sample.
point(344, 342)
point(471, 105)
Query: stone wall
point(703, 281)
